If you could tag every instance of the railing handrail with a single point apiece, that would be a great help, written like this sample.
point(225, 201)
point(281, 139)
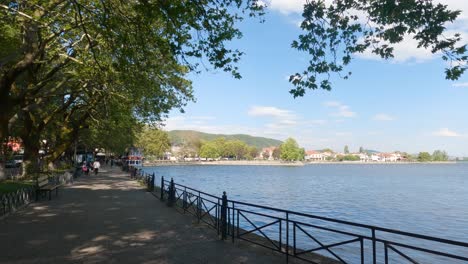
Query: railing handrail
point(195, 190)
point(376, 228)
point(339, 221)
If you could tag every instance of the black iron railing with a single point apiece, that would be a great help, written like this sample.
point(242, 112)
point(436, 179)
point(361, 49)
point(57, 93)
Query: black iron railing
point(10, 202)
point(308, 237)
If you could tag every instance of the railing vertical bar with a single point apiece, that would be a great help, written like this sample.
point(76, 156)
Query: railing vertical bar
point(224, 205)
point(232, 226)
point(199, 207)
point(238, 223)
point(362, 250)
point(185, 200)
point(227, 221)
point(162, 188)
point(280, 235)
point(294, 239)
point(386, 253)
point(217, 217)
point(287, 237)
point(374, 250)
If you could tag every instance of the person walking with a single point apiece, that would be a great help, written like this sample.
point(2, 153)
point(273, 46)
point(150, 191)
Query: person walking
point(85, 168)
point(96, 166)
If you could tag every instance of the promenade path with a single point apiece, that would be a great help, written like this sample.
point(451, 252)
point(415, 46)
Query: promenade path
point(110, 219)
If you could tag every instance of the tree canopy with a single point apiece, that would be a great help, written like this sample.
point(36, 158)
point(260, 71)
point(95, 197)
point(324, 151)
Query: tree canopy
point(424, 157)
point(334, 33)
point(290, 151)
point(153, 142)
point(220, 147)
point(440, 155)
point(65, 65)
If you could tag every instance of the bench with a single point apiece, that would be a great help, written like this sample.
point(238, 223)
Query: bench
point(44, 185)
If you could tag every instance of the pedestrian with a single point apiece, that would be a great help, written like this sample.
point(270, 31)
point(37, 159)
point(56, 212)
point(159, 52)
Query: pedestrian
point(89, 165)
point(84, 168)
point(112, 163)
point(96, 166)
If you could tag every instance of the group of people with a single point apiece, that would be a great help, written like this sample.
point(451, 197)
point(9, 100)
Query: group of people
point(88, 166)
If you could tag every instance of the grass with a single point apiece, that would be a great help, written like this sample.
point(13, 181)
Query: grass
point(11, 186)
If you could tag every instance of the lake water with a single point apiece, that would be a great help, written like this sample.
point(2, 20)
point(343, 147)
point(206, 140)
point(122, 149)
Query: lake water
point(429, 199)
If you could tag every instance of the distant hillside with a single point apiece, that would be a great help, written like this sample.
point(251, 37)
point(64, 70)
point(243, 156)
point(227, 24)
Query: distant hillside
point(177, 137)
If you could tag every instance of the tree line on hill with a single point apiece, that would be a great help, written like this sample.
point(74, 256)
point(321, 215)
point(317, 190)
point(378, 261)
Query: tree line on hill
point(155, 143)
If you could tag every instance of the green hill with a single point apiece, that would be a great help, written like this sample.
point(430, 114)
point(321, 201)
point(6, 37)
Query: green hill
point(177, 137)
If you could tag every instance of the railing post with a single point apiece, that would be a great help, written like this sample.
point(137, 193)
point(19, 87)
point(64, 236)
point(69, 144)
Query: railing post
point(153, 177)
point(386, 253)
point(232, 224)
point(224, 205)
point(374, 253)
point(199, 207)
point(171, 198)
point(162, 188)
point(287, 237)
point(148, 182)
point(362, 250)
point(184, 201)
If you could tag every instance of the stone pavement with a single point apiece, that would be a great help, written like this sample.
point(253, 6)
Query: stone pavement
point(110, 219)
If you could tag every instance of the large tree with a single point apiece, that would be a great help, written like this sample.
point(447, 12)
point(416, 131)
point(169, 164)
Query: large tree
point(154, 142)
point(135, 51)
point(440, 155)
point(424, 157)
point(290, 150)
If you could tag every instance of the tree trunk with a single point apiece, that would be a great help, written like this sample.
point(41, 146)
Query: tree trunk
point(31, 158)
point(51, 165)
point(31, 143)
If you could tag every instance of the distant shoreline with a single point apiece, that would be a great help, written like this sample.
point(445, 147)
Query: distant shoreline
point(225, 162)
point(281, 163)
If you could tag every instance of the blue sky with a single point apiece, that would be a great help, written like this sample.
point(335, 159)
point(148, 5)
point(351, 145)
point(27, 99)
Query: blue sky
point(403, 104)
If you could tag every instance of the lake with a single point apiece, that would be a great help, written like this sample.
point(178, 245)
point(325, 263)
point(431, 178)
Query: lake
point(429, 199)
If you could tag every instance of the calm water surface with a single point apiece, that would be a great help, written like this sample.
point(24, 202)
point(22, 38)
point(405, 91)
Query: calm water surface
point(429, 199)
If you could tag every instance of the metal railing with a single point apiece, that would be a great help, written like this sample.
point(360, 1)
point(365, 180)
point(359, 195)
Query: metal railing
point(10, 202)
point(307, 237)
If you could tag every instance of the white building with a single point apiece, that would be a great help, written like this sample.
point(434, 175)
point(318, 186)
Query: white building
point(312, 155)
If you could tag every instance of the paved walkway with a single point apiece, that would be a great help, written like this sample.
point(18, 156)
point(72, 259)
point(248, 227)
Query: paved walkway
point(110, 219)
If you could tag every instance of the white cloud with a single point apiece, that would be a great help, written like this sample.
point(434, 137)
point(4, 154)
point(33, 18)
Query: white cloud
point(332, 103)
point(383, 117)
point(287, 6)
point(445, 132)
point(270, 111)
point(316, 122)
point(189, 123)
point(464, 84)
point(342, 110)
point(405, 51)
point(282, 120)
point(343, 134)
point(260, 3)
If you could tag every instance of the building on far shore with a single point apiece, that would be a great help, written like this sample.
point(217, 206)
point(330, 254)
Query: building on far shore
point(267, 153)
point(313, 155)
